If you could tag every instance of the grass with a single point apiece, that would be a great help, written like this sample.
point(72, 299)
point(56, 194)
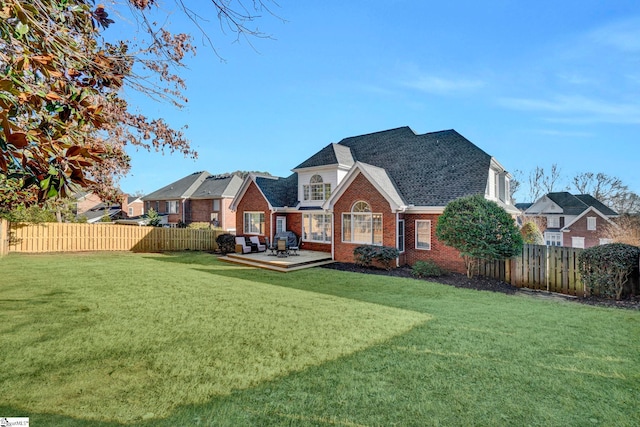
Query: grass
point(183, 339)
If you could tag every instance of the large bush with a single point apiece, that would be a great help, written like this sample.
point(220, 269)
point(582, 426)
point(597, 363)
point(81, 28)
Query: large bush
point(606, 269)
point(368, 254)
point(479, 229)
point(226, 243)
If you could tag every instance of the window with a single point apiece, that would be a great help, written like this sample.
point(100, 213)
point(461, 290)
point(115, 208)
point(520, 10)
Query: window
point(316, 227)
point(553, 239)
point(254, 223)
point(361, 225)
point(605, 241)
point(577, 242)
point(215, 219)
point(157, 206)
point(216, 205)
point(172, 207)
point(423, 234)
point(317, 189)
point(401, 235)
point(553, 222)
point(130, 211)
point(281, 224)
point(591, 223)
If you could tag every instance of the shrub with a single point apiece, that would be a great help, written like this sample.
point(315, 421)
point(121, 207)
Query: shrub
point(426, 269)
point(606, 269)
point(478, 229)
point(154, 218)
point(367, 254)
point(226, 243)
point(531, 234)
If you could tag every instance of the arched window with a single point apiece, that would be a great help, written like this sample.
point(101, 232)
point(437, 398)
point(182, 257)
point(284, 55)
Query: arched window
point(361, 225)
point(317, 189)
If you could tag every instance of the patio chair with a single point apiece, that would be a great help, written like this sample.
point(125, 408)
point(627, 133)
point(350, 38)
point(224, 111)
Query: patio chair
point(255, 241)
point(294, 249)
point(270, 246)
point(241, 246)
point(282, 248)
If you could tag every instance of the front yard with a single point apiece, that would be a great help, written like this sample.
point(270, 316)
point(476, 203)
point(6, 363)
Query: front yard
point(183, 339)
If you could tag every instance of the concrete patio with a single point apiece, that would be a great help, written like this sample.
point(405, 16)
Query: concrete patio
point(304, 259)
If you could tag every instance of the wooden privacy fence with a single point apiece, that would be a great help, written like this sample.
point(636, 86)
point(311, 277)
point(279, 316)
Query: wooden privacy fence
point(547, 268)
point(55, 237)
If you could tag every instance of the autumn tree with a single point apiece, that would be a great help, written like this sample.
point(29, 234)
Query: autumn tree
point(63, 120)
point(610, 190)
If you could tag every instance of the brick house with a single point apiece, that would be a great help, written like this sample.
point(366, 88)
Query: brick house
point(566, 219)
point(199, 197)
point(385, 188)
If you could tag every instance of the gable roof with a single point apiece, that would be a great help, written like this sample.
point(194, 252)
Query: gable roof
point(332, 154)
point(217, 186)
point(378, 177)
point(279, 192)
point(180, 189)
point(430, 169)
point(590, 209)
point(577, 204)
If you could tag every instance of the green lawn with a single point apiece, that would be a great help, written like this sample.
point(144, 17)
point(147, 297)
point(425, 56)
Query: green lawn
point(183, 339)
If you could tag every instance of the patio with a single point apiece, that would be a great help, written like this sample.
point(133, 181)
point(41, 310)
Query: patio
point(304, 259)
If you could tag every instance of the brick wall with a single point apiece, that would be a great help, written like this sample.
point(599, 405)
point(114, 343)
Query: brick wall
point(361, 190)
point(252, 201)
point(443, 255)
point(579, 229)
point(201, 210)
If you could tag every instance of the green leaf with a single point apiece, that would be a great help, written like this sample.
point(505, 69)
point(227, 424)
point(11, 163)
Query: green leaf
point(22, 29)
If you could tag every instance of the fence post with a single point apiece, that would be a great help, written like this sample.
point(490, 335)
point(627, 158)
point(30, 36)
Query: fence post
point(4, 237)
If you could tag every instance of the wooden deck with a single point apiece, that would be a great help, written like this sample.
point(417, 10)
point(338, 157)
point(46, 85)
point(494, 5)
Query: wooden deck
point(304, 259)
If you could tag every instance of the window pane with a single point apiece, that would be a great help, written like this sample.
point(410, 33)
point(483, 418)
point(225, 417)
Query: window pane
point(377, 229)
point(362, 231)
point(327, 228)
point(423, 234)
point(306, 191)
point(317, 192)
point(401, 235)
point(346, 227)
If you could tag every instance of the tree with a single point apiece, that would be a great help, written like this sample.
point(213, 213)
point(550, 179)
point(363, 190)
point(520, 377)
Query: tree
point(610, 190)
point(625, 229)
point(63, 121)
point(542, 182)
point(531, 233)
point(479, 229)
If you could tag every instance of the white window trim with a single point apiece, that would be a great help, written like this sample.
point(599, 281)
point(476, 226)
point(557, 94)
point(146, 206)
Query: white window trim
point(364, 213)
point(246, 223)
point(416, 236)
point(553, 222)
point(579, 241)
point(591, 223)
point(306, 226)
point(398, 234)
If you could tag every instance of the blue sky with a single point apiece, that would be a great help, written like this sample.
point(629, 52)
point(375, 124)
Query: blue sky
point(530, 83)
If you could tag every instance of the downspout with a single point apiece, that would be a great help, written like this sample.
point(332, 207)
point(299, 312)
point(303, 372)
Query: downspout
point(222, 212)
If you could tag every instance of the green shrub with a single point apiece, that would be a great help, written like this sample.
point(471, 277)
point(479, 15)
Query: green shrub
point(366, 255)
point(606, 269)
point(426, 269)
point(226, 243)
point(531, 233)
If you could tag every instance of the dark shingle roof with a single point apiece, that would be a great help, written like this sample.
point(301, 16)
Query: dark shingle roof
point(431, 169)
point(216, 186)
point(576, 204)
point(592, 201)
point(279, 191)
point(182, 188)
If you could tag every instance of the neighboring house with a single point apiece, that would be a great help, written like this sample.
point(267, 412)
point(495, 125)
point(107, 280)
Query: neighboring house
point(385, 188)
point(577, 221)
point(132, 206)
point(199, 197)
point(92, 207)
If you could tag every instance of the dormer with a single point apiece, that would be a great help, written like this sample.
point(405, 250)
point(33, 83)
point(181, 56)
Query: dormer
point(319, 175)
point(498, 183)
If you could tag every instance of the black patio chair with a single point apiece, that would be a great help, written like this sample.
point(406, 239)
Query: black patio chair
point(271, 246)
